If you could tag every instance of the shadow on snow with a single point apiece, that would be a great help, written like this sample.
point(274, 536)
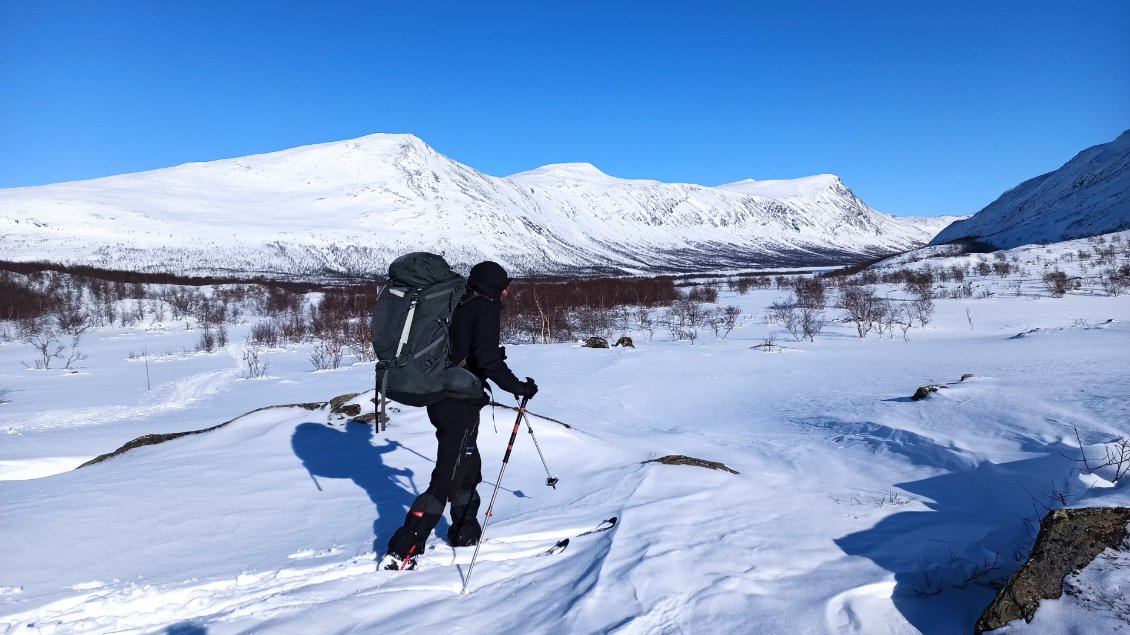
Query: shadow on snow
point(949, 561)
point(330, 452)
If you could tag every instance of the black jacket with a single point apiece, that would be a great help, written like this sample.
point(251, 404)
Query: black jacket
point(475, 341)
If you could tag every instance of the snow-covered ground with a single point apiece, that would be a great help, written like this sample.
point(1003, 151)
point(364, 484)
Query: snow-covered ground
point(855, 509)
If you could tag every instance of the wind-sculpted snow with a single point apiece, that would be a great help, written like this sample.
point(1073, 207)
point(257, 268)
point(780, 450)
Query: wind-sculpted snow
point(348, 208)
point(1088, 196)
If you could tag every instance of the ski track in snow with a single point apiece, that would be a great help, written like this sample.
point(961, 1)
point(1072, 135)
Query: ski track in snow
point(139, 608)
point(172, 396)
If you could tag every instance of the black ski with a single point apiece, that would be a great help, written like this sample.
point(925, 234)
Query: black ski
point(564, 543)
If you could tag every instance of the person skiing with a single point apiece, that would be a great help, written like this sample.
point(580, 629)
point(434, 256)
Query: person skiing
point(475, 326)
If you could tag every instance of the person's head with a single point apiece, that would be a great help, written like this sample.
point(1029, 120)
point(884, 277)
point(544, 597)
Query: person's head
point(489, 279)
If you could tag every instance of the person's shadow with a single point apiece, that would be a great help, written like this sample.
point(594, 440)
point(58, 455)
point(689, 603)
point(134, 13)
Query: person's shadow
point(330, 452)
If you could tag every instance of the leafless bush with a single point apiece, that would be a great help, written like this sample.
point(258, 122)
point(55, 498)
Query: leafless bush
point(207, 341)
point(50, 342)
point(1115, 281)
point(810, 293)
point(326, 355)
point(266, 333)
point(645, 321)
point(256, 365)
point(1116, 455)
point(702, 293)
point(1058, 283)
point(725, 320)
point(686, 318)
point(803, 323)
point(861, 306)
point(922, 310)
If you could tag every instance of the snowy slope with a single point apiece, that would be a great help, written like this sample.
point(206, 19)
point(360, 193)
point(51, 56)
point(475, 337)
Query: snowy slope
point(349, 207)
point(1088, 196)
point(855, 510)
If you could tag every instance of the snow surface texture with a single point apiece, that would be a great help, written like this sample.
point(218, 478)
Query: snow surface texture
point(1088, 196)
point(350, 207)
point(856, 510)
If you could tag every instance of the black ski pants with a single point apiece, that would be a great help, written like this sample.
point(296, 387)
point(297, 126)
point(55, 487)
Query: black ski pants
point(458, 470)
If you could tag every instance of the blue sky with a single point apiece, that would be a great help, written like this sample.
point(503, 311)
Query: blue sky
point(921, 107)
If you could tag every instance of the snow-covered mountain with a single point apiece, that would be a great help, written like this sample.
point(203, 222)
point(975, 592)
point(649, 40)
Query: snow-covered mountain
point(350, 207)
point(1089, 195)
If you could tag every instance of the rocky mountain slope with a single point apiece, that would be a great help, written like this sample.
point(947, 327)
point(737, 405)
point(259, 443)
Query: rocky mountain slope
point(1089, 195)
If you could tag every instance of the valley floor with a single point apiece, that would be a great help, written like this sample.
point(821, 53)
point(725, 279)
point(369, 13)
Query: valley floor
point(854, 510)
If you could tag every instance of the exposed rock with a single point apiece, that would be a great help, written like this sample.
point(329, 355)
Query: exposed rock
point(340, 405)
point(967, 376)
point(154, 439)
point(368, 417)
point(595, 342)
point(679, 459)
point(625, 341)
point(925, 391)
point(1069, 540)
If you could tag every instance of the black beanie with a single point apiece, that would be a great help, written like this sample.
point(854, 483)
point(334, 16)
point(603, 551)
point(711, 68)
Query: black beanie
point(488, 278)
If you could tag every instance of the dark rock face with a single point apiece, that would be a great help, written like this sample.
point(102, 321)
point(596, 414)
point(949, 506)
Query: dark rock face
point(1069, 540)
point(596, 342)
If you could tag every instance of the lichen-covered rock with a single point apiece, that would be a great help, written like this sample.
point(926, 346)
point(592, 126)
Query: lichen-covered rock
point(1069, 540)
point(595, 342)
point(680, 459)
point(340, 405)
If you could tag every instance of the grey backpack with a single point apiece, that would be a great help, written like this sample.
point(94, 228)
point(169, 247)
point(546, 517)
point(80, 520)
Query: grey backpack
point(410, 325)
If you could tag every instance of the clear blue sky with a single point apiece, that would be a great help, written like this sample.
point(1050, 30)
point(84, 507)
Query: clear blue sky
point(921, 107)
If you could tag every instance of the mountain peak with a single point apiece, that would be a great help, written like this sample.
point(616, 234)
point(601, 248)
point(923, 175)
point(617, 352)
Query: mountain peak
point(785, 188)
point(562, 171)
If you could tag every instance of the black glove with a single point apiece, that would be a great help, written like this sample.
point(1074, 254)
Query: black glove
point(529, 388)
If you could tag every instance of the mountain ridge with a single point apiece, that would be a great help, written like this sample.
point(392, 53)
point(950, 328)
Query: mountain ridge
point(348, 207)
point(1086, 196)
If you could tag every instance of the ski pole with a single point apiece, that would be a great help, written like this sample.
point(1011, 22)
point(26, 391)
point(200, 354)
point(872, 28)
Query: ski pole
point(497, 484)
point(550, 480)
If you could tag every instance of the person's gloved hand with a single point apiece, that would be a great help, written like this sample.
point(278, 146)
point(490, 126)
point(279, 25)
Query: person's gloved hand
point(529, 388)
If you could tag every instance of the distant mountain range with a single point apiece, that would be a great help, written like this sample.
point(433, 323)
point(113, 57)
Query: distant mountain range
point(349, 207)
point(1088, 196)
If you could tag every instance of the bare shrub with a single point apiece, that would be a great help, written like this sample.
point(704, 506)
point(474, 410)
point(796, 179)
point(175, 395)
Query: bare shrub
point(861, 306)
point(255, 363)
point(266, 333)
point(50, 342)
point(702, 293)
point(645, 321)
point(725, 320)
point(207, 341)
point(326, 355)
point(810, 293)
point(1115, 281)
point(687, 317)
point(922, 310)
point(1058, 283)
